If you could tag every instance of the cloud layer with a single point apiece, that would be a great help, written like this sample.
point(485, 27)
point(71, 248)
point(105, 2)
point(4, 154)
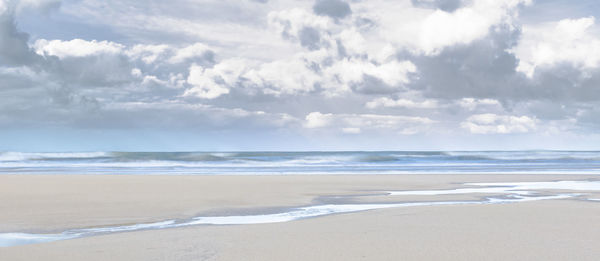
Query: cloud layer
point(400, 71)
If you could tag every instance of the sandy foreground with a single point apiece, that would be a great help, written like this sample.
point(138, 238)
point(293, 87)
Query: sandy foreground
point(566, 229)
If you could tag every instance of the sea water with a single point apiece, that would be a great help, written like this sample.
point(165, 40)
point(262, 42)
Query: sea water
point(333, 162)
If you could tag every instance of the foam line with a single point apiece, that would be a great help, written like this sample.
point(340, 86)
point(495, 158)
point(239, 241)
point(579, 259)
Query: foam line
point(306, 212)
point(15, 239)
point(458, 191)
point(521, 188)
point(555, 185)
point(156, 225)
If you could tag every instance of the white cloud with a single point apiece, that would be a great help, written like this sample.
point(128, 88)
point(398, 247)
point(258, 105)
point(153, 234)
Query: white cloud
point(404, 103)
point(136, 72)
point(317, 120)
point(427, 31)
point(76, 47)
point(195, 50)
point(502, 124)
point(464, 25)
point(150, 80)
point(283, 77)
point(163, 53)
point(177, 80)
point(356, 123)
point(291, 22)
point(566, 41)
point(352, 71)
point(147, 53)
point(339, 60)
point(298, 75)
point(210, 83)
point(354, 42)
point(472, 103)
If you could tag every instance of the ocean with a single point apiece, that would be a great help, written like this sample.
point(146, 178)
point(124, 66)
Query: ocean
point(318, 162)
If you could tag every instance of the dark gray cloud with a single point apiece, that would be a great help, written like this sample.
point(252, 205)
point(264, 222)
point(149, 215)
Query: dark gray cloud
point(310, 38)
point(14, 49)
point(563, 82)
point(372, 85)
point(482, 69)
point(333, 8)
point(486, 69)
point(94, 71)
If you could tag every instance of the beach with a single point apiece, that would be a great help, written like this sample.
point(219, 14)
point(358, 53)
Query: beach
point(330, 130)
point(551, 229)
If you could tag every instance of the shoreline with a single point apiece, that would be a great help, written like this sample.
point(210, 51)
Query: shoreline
point(44, 203)
point(262, 174)
point(55, 203)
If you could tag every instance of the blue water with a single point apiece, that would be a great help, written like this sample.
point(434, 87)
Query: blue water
point(254, 163)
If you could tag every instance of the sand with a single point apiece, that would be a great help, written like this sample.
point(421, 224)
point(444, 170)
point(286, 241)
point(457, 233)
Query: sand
point(542, 230)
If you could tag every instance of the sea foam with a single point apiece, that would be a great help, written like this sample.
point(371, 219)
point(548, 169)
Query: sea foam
point(522, 188)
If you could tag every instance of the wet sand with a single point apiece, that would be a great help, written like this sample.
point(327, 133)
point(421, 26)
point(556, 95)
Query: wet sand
point(548, 230)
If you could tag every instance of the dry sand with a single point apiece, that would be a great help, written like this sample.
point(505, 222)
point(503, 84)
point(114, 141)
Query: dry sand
point(541, 230)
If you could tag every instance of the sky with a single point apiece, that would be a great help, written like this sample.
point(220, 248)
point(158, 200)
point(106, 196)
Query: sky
point(216, 75)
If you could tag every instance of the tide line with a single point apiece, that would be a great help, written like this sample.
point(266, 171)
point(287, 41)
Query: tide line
point(520, 188)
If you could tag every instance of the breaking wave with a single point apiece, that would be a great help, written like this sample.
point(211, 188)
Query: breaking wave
point(345, 162)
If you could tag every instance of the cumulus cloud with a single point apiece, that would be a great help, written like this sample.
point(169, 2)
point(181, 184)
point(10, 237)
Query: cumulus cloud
point(88, 63)
point(569, 41)
point(193, 51)
point(76, 48)
point(338, 58)
point(283, 77)
point(298, 25)
point(211, 83)
point(472, 103)
point(148, 53)
point(502, 124)
point(110, 64)
point(428, 32)
point(387, 102)
point(317, 119)
point(335, 62)
point(482, 69)
point(353, 72)
point(356, 123)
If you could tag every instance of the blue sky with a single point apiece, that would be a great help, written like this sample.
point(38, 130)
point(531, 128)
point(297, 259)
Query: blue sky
point(299, 75)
